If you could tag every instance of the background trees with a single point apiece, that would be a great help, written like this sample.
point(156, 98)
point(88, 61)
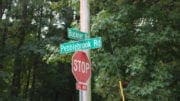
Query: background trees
point(140, 47)
point(30, 35)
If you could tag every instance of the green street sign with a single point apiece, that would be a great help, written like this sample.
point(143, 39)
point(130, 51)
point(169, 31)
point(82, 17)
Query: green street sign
point(75, 34)
point(86, 44)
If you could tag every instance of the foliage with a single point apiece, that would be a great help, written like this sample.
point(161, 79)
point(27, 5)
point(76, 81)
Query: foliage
point(30, 65)
point(140, 47)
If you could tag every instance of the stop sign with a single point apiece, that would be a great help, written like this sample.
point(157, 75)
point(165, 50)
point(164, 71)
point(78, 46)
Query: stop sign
point(81, 66)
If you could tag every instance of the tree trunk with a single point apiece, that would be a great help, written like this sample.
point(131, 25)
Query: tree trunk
point(3, 5)
point(27, 84)
point(15, 87)
point(15, 90)
point(2, 45)
point(33, 84)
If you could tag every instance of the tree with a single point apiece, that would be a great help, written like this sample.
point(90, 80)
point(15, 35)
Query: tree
point(31, 33)
point(140, 47)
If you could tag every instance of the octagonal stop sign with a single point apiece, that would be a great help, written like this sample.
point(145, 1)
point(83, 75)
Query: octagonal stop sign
point(81, 66)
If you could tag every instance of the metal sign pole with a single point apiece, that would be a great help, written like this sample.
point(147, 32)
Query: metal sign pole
point(84, 27)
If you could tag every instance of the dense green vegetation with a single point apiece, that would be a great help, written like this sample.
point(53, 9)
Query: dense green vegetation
point(141, 47)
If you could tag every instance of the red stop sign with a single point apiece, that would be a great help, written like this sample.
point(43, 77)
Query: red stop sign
point(81, 66)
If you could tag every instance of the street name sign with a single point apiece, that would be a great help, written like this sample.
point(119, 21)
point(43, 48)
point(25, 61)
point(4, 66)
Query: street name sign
point(91, 43)
point(75, 34)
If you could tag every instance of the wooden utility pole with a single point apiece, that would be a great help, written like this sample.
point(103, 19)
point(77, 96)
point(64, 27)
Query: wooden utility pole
point(84, 27)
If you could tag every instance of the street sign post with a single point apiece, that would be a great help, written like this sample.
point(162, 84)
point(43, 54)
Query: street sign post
point(75, 34)
point(81, 69)
point(81, 66)
point(84, 27)
point(91, 43)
